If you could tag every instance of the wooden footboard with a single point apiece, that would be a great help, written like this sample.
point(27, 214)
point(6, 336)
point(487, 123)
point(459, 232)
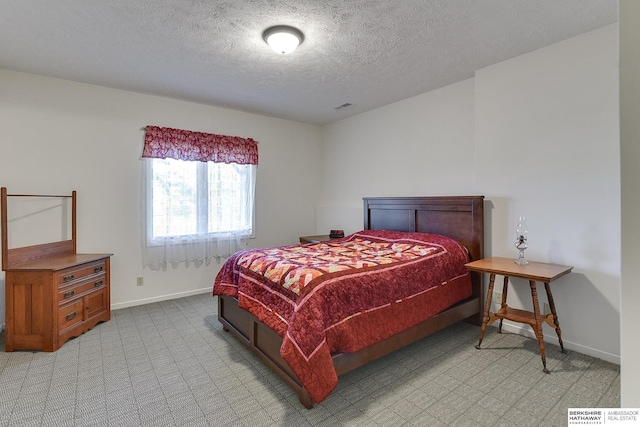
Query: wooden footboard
point(265, 343)
point(261, 340)
point(458, 217)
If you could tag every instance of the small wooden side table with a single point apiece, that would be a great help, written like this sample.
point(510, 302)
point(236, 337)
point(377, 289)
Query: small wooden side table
point(534, 271)
point(314, 239)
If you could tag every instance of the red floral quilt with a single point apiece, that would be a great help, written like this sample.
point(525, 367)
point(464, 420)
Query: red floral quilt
point(345, 294)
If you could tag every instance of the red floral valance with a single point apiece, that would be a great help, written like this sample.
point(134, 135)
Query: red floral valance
point(160, 143)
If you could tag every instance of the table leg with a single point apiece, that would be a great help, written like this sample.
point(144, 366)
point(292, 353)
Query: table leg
point(538, 324)
point(556, 323)
point(505, 288)
point(487, 308)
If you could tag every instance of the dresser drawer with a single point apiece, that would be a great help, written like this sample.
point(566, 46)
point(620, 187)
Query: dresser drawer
point(71, 274)
point(83, 286)
point(69, 314)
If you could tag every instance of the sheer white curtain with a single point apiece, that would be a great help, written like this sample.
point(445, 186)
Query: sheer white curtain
point(195, 208)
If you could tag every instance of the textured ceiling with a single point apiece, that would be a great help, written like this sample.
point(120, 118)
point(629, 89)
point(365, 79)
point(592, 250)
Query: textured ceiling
point(365, 52)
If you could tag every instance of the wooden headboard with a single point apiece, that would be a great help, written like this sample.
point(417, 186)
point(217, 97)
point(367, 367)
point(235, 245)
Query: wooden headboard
point(458, 217)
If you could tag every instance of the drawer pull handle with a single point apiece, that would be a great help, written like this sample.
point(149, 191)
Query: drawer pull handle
point(69, 277)
point(71, 315)
point(98, 268)
point(98, 283)
point(69, 294)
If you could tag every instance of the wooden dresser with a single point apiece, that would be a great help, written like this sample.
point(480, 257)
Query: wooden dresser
point(52, 293)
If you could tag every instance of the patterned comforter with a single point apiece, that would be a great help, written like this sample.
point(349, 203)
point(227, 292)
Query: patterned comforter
point(345, 294)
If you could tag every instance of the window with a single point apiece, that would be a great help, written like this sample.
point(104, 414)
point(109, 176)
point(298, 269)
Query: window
point(198, 198)
point(195, 209)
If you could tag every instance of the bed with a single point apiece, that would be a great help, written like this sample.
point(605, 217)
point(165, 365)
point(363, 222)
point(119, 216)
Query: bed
point(310, 356)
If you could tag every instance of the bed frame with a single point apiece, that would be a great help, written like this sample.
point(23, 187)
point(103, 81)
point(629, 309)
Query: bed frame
point(458, 217)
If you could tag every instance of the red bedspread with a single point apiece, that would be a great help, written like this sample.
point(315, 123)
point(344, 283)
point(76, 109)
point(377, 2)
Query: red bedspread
point(345, 294)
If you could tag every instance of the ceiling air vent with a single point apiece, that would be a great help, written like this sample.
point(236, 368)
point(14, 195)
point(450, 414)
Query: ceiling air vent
point(345, 105)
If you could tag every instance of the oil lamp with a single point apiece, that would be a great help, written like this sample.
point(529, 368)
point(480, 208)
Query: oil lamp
point(521, 240)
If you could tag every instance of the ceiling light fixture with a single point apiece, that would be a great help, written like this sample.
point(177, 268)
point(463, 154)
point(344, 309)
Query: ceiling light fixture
point(283, 38)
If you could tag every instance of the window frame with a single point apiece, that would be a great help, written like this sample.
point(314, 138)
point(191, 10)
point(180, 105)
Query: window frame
point(202, 172)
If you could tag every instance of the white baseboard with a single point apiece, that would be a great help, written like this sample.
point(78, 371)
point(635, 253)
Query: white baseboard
point(553, 339)
point(160, 298)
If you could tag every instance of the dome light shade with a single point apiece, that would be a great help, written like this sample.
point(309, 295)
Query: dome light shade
point(282, 38)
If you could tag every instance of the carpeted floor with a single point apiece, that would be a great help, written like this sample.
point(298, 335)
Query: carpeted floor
point(171, 364)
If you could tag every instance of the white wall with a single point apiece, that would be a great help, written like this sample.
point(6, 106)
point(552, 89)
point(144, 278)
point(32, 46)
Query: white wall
point(547, 136)
point(629, 15)
point(537, 135)
point(57, 136)
point(398, 150)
